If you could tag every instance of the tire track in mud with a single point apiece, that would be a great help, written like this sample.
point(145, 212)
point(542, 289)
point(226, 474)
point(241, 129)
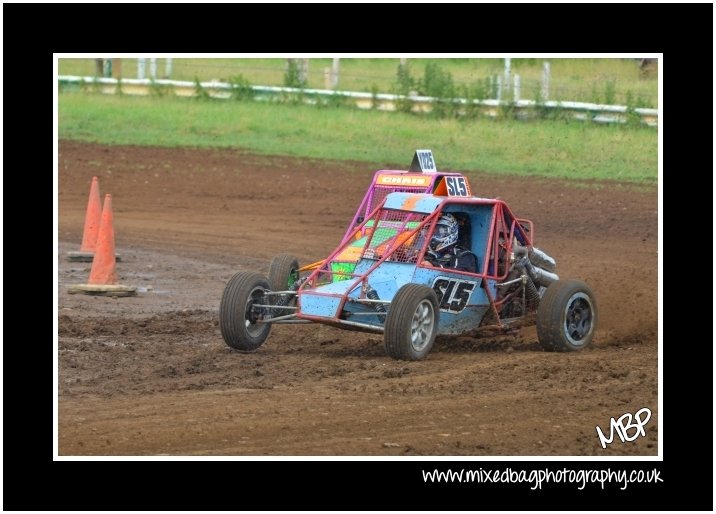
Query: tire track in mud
point(186, 322)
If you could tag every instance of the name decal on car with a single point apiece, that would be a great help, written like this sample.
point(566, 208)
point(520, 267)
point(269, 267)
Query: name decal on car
point(453, 294)
point(403, 180)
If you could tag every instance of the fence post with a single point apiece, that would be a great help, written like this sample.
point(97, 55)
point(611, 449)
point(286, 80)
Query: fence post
point(117, 70)
point(545, 81)
point(303, 71)
point(168, 68)
point(334, 72)
point(516, 93)
point(507, 80)
point(153, 68)
point(140, 67)
point(107, 71)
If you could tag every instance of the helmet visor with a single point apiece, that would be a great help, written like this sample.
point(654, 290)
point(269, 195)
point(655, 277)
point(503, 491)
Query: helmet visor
point(441, 231)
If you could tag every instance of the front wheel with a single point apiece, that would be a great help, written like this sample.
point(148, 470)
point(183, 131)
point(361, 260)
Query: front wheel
point(240, 312)
point(283, 275)
point(283, 272)
point(411, 323)
point(566, 316)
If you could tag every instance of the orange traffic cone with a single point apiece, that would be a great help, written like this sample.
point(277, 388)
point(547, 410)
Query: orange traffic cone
point(92, 218)
point(103, 276)
point(103, 265)
point(91, 230)
point(94, 212)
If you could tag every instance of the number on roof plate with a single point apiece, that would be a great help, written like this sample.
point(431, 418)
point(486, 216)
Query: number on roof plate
point(426, 160)
point(423, 161)
point(456, 186)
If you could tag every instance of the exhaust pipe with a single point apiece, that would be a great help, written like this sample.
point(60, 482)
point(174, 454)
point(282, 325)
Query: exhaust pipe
point(541, 277)
point(538, 265)
point(541, 259)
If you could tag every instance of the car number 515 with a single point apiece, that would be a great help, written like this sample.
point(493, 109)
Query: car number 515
point(453, 294)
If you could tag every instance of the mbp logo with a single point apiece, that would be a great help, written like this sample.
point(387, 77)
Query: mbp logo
point(623, 425)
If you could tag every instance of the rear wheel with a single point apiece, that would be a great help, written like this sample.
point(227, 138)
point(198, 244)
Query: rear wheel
point(411, 323)
point(239, 317)
point(566, 316)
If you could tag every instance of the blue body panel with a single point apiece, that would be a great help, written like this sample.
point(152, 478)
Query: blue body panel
point(387, 278)
point(455, 317)
point(414, 202)
point(319, 305)
point(462, 301)
point(318, 302)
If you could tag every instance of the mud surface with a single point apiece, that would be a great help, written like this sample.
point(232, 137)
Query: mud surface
point(151, 375)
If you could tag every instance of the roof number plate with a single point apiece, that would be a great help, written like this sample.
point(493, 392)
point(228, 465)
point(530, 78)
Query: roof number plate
point(456, 186)
point(423, 161)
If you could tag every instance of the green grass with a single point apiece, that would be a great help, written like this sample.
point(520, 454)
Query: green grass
point(587, 80)
point(575, 150)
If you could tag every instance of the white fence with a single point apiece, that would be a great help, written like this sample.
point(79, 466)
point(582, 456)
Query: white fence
point(382, 101)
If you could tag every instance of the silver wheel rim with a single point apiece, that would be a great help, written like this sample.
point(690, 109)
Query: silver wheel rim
point(253, 329)
point(578, 319)
point(422, 325)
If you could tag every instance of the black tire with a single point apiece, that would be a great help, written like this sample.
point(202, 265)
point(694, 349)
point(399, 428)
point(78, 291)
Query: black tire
point(567, 316)
point(236, 313)
point(283, 272)
point(411, 323)
point(282, 275)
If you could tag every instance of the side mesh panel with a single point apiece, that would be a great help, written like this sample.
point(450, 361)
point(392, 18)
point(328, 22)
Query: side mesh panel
point(396, 234)
point(380, 192)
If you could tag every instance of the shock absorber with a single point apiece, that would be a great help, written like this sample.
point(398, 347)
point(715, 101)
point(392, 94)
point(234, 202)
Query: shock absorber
point(373, 295)
point(531, 293)
point(284, 300)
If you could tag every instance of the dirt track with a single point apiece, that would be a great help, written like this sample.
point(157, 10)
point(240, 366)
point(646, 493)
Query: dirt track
point(151, 375)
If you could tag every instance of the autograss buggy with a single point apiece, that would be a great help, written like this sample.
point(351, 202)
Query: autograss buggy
point(377, 280)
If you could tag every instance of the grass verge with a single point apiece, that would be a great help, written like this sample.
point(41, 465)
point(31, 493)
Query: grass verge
point(564, 149)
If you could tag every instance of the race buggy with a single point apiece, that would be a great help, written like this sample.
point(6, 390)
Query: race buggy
point(379, 280)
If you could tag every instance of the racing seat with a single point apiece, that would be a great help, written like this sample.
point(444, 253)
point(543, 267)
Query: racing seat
point(465, 238)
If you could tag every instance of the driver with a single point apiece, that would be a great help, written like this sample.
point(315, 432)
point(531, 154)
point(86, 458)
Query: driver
point(443, 250)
